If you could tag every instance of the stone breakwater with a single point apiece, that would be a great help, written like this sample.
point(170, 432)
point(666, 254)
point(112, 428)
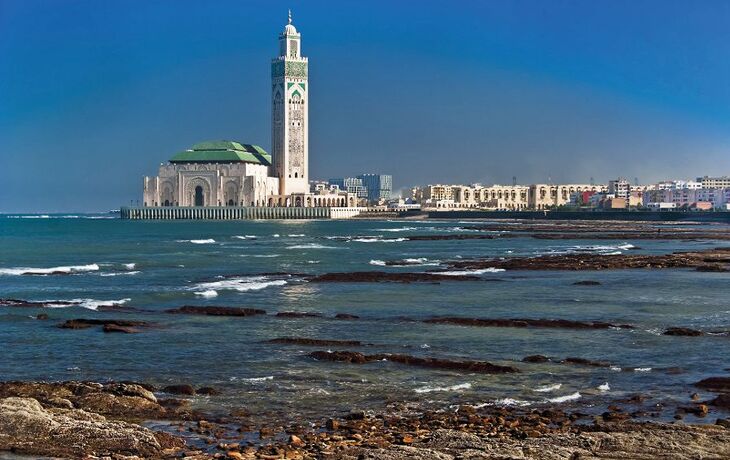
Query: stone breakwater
point(92, 420)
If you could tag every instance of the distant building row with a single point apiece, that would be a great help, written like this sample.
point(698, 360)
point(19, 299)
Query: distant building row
point(368, 188)
point(706, 193)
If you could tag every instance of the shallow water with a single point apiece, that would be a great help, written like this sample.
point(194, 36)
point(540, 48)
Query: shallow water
point(160, 265)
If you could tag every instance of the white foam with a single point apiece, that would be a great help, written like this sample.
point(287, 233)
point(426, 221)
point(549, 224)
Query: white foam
point(400, 229)
point(276, 235)
point(311, 246)
point(255, 380)
point(91, 304)
point(133, 272)
point(296, 235)
point(615, 369)
point(479, 271)
point(642, 369)
point(510, 402)
point(130, 266)
point(207, 294)
point(240, 284)
point(244, 237)
point(203, 241)
point(380, 263)
point(570, 397)
point(604, 387)
point(459, 387)
point(375, 239)
point(48, 271)
point(548, 388)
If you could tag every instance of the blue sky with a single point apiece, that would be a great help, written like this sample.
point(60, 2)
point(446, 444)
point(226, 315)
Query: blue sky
point(94, 95)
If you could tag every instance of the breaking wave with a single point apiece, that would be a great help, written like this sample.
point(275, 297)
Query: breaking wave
point(133, 272)
point(548, 388)
point(91, 304)
point(210, 293)
point(244, 237)
point(377, 239)
point(311, 246)
point(240, 284)
point(203, 241)
point(479, 271)
point(566, 398)
point(459, 387)
point(400, 229)
point(70, 269)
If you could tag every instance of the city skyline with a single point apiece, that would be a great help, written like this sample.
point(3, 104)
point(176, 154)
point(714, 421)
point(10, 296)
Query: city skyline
point(508, 90)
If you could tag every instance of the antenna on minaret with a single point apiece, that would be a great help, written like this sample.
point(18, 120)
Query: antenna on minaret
point(593, 181)
point(514, 181)
point(636, 181)
point(289, 15)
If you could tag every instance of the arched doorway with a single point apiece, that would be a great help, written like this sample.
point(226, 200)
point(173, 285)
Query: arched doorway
point(199, 198)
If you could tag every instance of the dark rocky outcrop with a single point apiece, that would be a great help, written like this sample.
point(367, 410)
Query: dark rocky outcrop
point(592, 261)
point(208, 391)
point(524, 322)
point(586, 362)
point(216, 311)
point(721, 384)
point(179, 389)
point(346, 316)
point(298, 314)
point(683, 331)
point(587, 283)
point(314, 342)
point(482, 367)
point(392, 277)
point(108, 325)
point(535, 359)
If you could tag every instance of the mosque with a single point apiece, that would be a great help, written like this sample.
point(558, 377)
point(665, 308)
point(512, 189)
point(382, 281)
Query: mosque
point(236, 174)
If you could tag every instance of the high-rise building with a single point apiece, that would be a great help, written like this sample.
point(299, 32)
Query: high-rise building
point(379, 186)
point(714, 182)
point(351, 185)
point(290, 121)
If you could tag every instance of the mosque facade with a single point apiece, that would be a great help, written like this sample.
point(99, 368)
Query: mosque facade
point(232, 173)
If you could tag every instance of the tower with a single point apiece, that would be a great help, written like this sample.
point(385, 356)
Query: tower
point(290, 121)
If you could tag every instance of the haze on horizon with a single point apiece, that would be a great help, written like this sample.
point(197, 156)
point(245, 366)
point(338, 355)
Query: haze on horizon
point(94, 95)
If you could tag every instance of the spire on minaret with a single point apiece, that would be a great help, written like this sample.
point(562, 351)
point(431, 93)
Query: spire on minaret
point(289, 15)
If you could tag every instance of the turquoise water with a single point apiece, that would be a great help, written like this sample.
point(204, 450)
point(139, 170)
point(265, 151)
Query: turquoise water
point(160, 265)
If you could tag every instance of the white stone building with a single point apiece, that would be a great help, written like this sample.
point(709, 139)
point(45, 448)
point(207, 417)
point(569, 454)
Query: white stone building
point(230, 173)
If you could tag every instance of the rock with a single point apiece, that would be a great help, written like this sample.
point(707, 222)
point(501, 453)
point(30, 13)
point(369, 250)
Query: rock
point(296, 441)
point(27, 428)
point(683, 331)
point(587, 283)
point(114, 325)
point(180, 389)
point(525, 322)
point(42, 316)
point(236, 455)
point(119, 400)
point(216, 311)
point(333, 424)
point(346, 316)
point(360, 358)
point(314, 342)
point(298, 314)
point(586, 362)
point(695, 397)
point(723, 422)
point(718, 384)
point(355, 415)
point(535, 359)
point(722, 401)
point(122, 329)
point(208, 391)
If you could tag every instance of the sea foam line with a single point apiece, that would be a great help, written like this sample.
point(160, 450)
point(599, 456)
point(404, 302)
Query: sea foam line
point(458, 387)
point(47, 271)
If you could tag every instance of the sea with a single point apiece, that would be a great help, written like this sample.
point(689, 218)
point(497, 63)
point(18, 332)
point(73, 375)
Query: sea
point(146, 267)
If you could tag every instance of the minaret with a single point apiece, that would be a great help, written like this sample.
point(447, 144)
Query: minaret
point(289, 114)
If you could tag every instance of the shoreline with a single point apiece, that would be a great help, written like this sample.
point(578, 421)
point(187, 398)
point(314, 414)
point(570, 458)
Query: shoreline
point(73, 419)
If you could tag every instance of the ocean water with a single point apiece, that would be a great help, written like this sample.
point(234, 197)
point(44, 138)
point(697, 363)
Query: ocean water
point(160, 265)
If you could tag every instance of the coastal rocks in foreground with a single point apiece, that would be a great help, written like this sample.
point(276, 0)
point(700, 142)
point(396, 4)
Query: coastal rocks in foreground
point(216, 311)
point(717, 384)
point(354, 357)
point(523, 322)
point(26, 427)
point(379, 277)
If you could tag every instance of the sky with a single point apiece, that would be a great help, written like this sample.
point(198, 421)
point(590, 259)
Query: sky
point(95, 95)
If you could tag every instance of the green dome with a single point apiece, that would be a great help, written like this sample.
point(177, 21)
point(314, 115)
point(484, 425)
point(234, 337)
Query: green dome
point(223, 152)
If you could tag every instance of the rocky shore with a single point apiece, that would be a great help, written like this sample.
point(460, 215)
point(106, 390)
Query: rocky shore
point(93, 420)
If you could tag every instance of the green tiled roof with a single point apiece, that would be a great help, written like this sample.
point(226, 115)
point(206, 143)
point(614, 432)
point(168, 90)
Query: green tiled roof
point(223, 152)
